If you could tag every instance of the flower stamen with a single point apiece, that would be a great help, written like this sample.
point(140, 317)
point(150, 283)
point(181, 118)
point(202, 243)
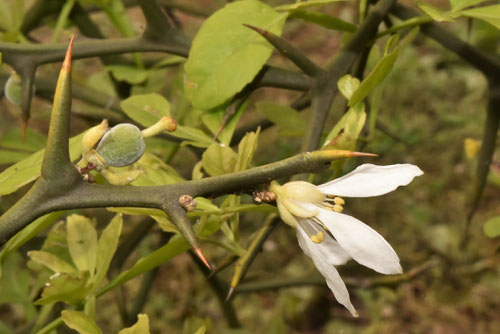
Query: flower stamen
point(318, 238)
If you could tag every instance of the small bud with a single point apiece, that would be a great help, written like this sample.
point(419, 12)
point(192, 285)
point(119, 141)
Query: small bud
point(187, 202)
point(264, 196)
point(164, 124)
point(93, 135)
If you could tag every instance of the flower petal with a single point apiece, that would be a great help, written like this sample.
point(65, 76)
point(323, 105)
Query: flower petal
point(330, 249)
point(361, 242)
point(333, 279)
point(370, 180)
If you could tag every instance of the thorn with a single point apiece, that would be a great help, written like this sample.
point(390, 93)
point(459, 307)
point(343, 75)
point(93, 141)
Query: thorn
point(362, 154)
point(257, 29)
point(67, 60)
point(230, 293)
point(199, 253)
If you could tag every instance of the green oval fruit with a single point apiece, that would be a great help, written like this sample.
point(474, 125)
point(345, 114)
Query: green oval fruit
point(12, 89)
point(122, 145)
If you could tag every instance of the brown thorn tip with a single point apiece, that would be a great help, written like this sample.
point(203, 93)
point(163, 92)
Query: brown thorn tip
point(199, 253)
point(230, 293)
point(67, 59)
point(362, 154)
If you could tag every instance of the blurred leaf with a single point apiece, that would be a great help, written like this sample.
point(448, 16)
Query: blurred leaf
point(324, 20)
point(490, 14)
point(9, 157)
point(82, 243)
point(15, 285)
point(65, 287)
point(348, 85)
point(246, 150)
point(177, 245)
point(52, 262)
point(130, 74)
point(305, 4)
point(471, 147)
point(139, 211)
point(289, 120)
point(80, 322)
point(218, 160)
point(376, 76)
point(205, 204)
point(457, 5)
point(213, 70)
point(106, 247)
point(28, 170)
point(170, 60)
point(146, 109)
point(140, 327)
point(27, 233)
point(435, 13)
point(33, 141)
point(492, 227)
point(102, 82)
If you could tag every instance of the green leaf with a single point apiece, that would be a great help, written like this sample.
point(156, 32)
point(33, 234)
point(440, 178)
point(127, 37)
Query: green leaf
point(52, 262)
point(289, 120)
point(140, 327)
point(305, 4)
point(324, 20)
point(8, 157)
point(348, 85)
point(457, 5)
point(106, 247)
point(32, 142)
point(65, 287)
point(490, 14)
point(246, 150)
point(146, 109)
point(176, 246)
point(80, 322)
point(492, 227)
point(347, 130)
point(214, 71)
point(27, 233)
point(28, 170)
point(218, 159)
point(376, 76)
point(214, 120)
point(130, 74)
point(157, 172)
point(435, 13)
point(82, 243)
point(194, 137)
point(139, 211)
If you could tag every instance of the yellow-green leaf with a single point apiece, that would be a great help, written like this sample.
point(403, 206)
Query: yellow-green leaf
point(82, 243)
point(52, 262)
point(218, 159)
point(490, 14)
point(214, 71)
point(80, 322)
point(140, 327)
point(106, 247)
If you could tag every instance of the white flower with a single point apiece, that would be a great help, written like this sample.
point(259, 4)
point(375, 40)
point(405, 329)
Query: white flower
point(331, 238)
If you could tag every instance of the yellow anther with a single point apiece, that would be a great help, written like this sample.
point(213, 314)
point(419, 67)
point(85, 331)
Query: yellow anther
point(318, 238)
point(338, 200)
point(338, 208)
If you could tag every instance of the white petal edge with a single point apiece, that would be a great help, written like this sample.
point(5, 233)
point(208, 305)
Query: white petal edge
point(332, 252)
point(361, 242)
point(371, 180)
point(331, 275)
